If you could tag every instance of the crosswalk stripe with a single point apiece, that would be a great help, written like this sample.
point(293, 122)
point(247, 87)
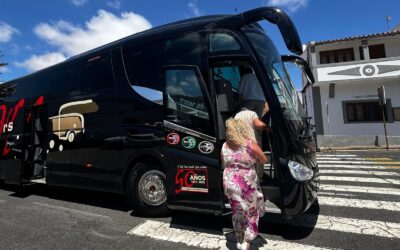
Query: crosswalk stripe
point(191, 236)
point(359, 179)
point(360, 189)
point(356, 203)
point(378, 159)
point(358, 172)
point(354, 159)
point(360, 162)
point(353, 166)
point(338, 155)
point(199, 238)
point(350, 225)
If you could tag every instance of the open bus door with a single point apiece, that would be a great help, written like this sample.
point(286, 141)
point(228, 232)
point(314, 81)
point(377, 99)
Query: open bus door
point(193, 173)
point(27, 155)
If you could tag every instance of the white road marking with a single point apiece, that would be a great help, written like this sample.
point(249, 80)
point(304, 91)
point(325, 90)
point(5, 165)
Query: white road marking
point(360, 179)
point(322, 193)
point(359, 189)
point(352, 166)
point(356, 203)
point(337, 155)
point(71, 210)
point(354, 159)
point(360, 162)
point(358, 172)
point(191, 236)
point(196, 237)
point(349, 225)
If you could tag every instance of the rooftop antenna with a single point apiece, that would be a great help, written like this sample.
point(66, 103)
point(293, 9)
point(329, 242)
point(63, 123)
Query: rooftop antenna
point(388, 19)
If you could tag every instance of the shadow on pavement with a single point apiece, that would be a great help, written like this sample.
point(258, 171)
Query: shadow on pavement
point(86, 197)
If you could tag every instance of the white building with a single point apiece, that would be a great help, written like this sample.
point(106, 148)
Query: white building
point(343, 103)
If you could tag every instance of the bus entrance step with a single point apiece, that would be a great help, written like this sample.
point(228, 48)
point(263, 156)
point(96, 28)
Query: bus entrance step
point(271, 193)
point(39, 181)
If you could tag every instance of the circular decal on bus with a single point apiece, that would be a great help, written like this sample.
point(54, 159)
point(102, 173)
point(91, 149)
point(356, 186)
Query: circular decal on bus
point(189, 142)
point(172, 138)
point(206, 147)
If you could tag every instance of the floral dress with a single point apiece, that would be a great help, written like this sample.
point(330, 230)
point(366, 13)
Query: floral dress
point(243, 190)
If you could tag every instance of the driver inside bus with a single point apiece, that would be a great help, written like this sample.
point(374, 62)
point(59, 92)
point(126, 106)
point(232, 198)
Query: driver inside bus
point(250, 92)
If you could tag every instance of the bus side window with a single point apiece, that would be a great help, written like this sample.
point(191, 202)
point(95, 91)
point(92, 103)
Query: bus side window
point(223, 42)
point(95, 73)
point(185, 100)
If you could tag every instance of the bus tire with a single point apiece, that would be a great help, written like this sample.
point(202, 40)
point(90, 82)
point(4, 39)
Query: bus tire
point(146, 190)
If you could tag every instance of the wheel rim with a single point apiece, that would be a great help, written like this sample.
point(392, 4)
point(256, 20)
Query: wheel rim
point(152, 188)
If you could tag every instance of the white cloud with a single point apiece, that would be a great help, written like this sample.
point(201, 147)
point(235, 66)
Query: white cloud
point(103, 28)
point(70, 39)
point(291, 5)
point(36, 62)
point(4, 69)
point(193, 7)
point(79, 2)
point(6, 32)
point(114, 4)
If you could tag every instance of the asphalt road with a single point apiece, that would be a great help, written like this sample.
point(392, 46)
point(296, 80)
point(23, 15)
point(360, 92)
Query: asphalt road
point(358, 208)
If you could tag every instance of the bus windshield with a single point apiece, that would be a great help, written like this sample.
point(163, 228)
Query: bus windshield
point(271, 61)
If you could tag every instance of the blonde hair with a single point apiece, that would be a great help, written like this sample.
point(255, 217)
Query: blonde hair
point(237, 132)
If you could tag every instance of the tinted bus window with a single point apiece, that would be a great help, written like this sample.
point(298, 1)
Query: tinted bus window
point(223, 42)
point(186, 103)
point(144, 63)
point(58, 82)
point(95, 73)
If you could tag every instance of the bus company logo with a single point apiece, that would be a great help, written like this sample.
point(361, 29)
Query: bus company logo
point(206, 147)
point(191, 179)
point(172, 138)
point(8, 117)
point(188, 142)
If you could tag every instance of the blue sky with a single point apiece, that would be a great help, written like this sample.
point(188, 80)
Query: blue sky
point(36, 34)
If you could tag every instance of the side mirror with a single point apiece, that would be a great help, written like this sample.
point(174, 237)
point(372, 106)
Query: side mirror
point(302, 64)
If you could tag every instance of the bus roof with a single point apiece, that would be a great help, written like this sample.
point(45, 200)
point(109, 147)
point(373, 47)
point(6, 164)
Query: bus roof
point(182, 25)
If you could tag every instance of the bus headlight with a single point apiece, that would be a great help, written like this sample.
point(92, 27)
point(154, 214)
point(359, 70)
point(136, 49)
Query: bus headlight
point(299, 171)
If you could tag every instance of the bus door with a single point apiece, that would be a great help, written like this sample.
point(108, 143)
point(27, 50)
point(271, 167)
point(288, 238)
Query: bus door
point(227, 76)
point(28, 154)
point(193, 172)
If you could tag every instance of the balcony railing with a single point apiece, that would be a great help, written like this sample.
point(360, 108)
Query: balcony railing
point(357, 70)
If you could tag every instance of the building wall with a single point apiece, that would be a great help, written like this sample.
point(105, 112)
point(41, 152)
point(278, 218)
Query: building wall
point(357, 92)
point(339, 133)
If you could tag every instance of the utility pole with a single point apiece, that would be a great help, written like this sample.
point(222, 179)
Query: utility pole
point(382, 102)
point(388, 19)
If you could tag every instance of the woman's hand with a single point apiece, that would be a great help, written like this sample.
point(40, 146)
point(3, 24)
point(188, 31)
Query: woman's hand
point(261, 158)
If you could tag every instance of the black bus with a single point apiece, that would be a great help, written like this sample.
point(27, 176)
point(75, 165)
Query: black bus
point(144, 116)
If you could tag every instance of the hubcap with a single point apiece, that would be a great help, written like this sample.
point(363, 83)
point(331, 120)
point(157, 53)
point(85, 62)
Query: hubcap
point(152, 188)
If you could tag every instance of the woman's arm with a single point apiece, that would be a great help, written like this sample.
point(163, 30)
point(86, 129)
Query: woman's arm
point(258, 124)
point(261, 158)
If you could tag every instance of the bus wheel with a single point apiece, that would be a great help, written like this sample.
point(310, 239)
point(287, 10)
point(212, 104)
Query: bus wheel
point(147, 190)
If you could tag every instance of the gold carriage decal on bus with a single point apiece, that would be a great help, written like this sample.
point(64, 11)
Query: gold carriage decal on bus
point(70, 121)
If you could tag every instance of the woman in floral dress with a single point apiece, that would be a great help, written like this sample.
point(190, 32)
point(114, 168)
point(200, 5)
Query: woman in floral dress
point(239, 156)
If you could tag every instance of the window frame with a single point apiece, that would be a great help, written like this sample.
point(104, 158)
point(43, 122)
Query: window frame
point(354, 102)
point(376, 46)
point(241, 49)
point(335, 54)
point(203, 88)
point(394, 116)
